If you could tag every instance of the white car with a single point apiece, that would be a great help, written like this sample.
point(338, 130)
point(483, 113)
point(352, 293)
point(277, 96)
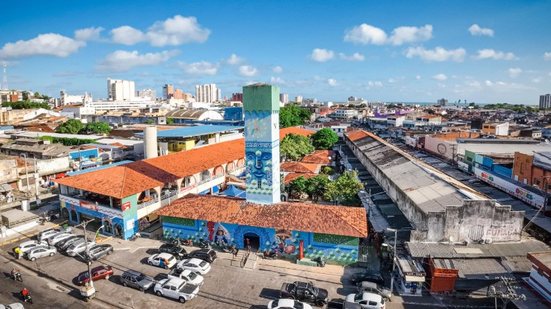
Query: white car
point(195, 265)
point(44, 235)
point(177, 289)
point(168, 260)
point(288, 303)
point(188, 275)
point(367, 300)
point(78, 247)
point(58, 237)
point(41, 251)
point(31, 244)
point(12, 306)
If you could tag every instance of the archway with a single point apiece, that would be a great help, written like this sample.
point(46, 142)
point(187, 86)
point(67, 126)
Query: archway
point(73, 217)
point(118, 230)
point(251, 241)
point(64, 213)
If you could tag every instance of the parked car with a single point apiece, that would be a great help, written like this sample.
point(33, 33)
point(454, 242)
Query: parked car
point(207, 255)
point(41, 251)
point(78, 247)
point(44, 235)
point(173, 249)
point(372, 287)
point(96, 252)
point(304, 291)
point(367, 276)
point(367, 300)
point(58, 237)
point(188, 275)
point(136, 280)
point(31, 244)
point(195, 265)
point(98, 273)
point(64, 244)
point(168, 260)
point(12, 306)
point(287, 304)
point(177, 289)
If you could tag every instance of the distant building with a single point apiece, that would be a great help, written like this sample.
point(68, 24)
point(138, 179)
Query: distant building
point(207, 93)
point(298, 99)
point(442, 102)
point(66, 99)
point(168, 91)
point(497, 129)
point(545, 101)
point(238, 96)
point(345, 113)
point(10, 96)
point(147, 94)
point(120, 90)
point(284, 98)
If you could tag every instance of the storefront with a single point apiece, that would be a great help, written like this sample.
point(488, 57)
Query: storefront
point(410, 277)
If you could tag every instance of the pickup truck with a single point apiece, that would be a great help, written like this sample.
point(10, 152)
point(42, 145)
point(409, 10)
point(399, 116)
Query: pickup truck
point(304, 291)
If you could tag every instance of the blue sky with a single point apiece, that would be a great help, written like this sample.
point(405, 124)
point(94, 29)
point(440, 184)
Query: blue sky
point(414, 51)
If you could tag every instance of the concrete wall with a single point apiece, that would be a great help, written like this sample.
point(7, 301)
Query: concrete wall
point(52, 166)
point(8, 171)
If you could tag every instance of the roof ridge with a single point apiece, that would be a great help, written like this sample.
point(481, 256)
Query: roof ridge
point(123, 181)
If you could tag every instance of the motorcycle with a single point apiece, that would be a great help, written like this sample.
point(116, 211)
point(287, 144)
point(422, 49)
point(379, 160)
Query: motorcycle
point(320, 261)
point(187, 242)
point(203, 244)
point(269, 255)
point(17, 277)
point(27, 299)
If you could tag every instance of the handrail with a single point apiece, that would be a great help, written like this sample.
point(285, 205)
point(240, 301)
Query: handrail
point(244, 259)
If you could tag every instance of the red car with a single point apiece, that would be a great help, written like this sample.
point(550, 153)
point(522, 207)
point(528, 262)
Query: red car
point(100, 272)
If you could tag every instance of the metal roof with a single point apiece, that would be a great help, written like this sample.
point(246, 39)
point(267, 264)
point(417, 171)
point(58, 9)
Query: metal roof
point(441, 250)
point(471, 268)
point(195, 131)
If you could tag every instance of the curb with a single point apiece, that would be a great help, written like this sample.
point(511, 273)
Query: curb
point(57, 280)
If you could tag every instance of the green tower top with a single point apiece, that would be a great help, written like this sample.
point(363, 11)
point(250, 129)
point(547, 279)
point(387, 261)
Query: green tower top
point(261, 97)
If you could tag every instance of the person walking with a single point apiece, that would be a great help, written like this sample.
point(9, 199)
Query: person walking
point(248, 243)
point(17, 252)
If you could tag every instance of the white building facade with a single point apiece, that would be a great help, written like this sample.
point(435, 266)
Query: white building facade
point(120, 90)
point(545, 101)
point(207, 93)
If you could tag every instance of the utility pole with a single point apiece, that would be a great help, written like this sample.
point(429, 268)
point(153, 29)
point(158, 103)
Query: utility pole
point(509, 294)
point(393, 258)
point(88, 262)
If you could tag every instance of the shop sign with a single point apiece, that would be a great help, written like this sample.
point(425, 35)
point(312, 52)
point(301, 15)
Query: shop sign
point(89, 205)
point(125, 206)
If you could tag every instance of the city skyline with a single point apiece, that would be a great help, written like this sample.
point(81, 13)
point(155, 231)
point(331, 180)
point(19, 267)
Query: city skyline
point(483, 52)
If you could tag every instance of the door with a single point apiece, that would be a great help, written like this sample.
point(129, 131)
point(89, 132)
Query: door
point(251, 241)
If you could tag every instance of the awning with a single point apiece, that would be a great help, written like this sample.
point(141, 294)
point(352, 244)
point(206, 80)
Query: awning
point(234, 192)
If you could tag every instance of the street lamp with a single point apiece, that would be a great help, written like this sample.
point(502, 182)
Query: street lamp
point(393, 258)
point(88, 262)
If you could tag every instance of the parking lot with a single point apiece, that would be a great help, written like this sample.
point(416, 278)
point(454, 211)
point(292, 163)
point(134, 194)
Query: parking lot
point(227, 285)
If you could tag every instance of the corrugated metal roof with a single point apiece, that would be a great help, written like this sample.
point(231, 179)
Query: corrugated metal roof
point(438, 250)
point(195, 131)
point(469, 268)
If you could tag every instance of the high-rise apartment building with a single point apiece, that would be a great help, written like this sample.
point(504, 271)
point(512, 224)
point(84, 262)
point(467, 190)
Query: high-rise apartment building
point(298, 99)
point(168, 91)
point(545, 101)
point(207, 93)
point(284, 98)
point(442, 102)
point(120, 90)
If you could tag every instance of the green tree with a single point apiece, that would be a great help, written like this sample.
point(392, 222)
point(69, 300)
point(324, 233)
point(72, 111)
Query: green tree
point(344, 189)
point(170, 121)
point(325, 139)
point(293, 115)
point(316, 186)
point(96, 128)
point(297, 187)
point(149, 121)
point(71, 126)
point(25, 105)
point(294, 147)
point(327, 170)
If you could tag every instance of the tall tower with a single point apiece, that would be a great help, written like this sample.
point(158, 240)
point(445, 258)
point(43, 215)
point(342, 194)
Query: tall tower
point(261, 106)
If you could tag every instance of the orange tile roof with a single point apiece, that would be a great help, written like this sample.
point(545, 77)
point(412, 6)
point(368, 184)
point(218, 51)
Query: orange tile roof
point(327, 219)
point(318, 157)
point(292, 176)
point(299, 167)
point(295, 130)
point(356, 135)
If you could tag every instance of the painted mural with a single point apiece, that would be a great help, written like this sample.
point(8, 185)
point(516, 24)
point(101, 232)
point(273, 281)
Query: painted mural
point(335, 248)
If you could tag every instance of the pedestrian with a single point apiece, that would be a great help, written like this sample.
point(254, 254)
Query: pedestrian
point(234, 251)
point(162, 263)
point(17, 252)
point(248, 243)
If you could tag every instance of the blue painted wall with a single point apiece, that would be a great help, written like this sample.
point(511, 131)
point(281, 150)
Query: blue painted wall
point(84, 154)
point(343, 250)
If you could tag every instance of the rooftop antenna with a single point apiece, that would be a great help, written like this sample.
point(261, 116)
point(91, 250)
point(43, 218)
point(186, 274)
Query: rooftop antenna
point(5, 76)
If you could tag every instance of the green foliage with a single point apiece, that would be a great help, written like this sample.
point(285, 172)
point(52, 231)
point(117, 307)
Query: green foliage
point(71, 126)
point(327, 170)
point(344, 189)
point(316, 186)
point(294, 147)
point(325, 139)
point(149, 121)
point(96, 128)
point(67, 141)
point(170, 121)
point(293, 115)
point(178, 221)
point(25, 105)
point(297, 186)
point(336, 239)
point(519, 108)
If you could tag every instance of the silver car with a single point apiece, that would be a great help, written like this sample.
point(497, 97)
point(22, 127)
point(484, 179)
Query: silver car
point(78, 247)
point(58, 237)
point(31, 244)
point(40, 252)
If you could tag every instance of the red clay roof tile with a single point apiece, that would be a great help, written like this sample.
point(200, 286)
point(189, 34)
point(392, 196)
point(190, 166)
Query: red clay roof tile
point(318, 157)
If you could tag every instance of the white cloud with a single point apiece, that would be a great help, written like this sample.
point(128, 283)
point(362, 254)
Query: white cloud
point(368, 34)
point(277, 69)
point(122, 60)
point(536, 80)
point(473, 83)
point(322, 55)
point(127, 35)
point(488, 83)
point(374, 84)
point(493, 54)
point(353, 57)
point(440, 77)
point(199, 68)
point(437, 54)
point(49, 44)
point(403, 35)
point(247, 70)
point(476, 30)
point(547, 56)
point(173, 31)
point(234, 59)
point(391, 80)
point(88, 34)
point(332, 82)
point(277, 80)
point(514, 72)
point(417, 77)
